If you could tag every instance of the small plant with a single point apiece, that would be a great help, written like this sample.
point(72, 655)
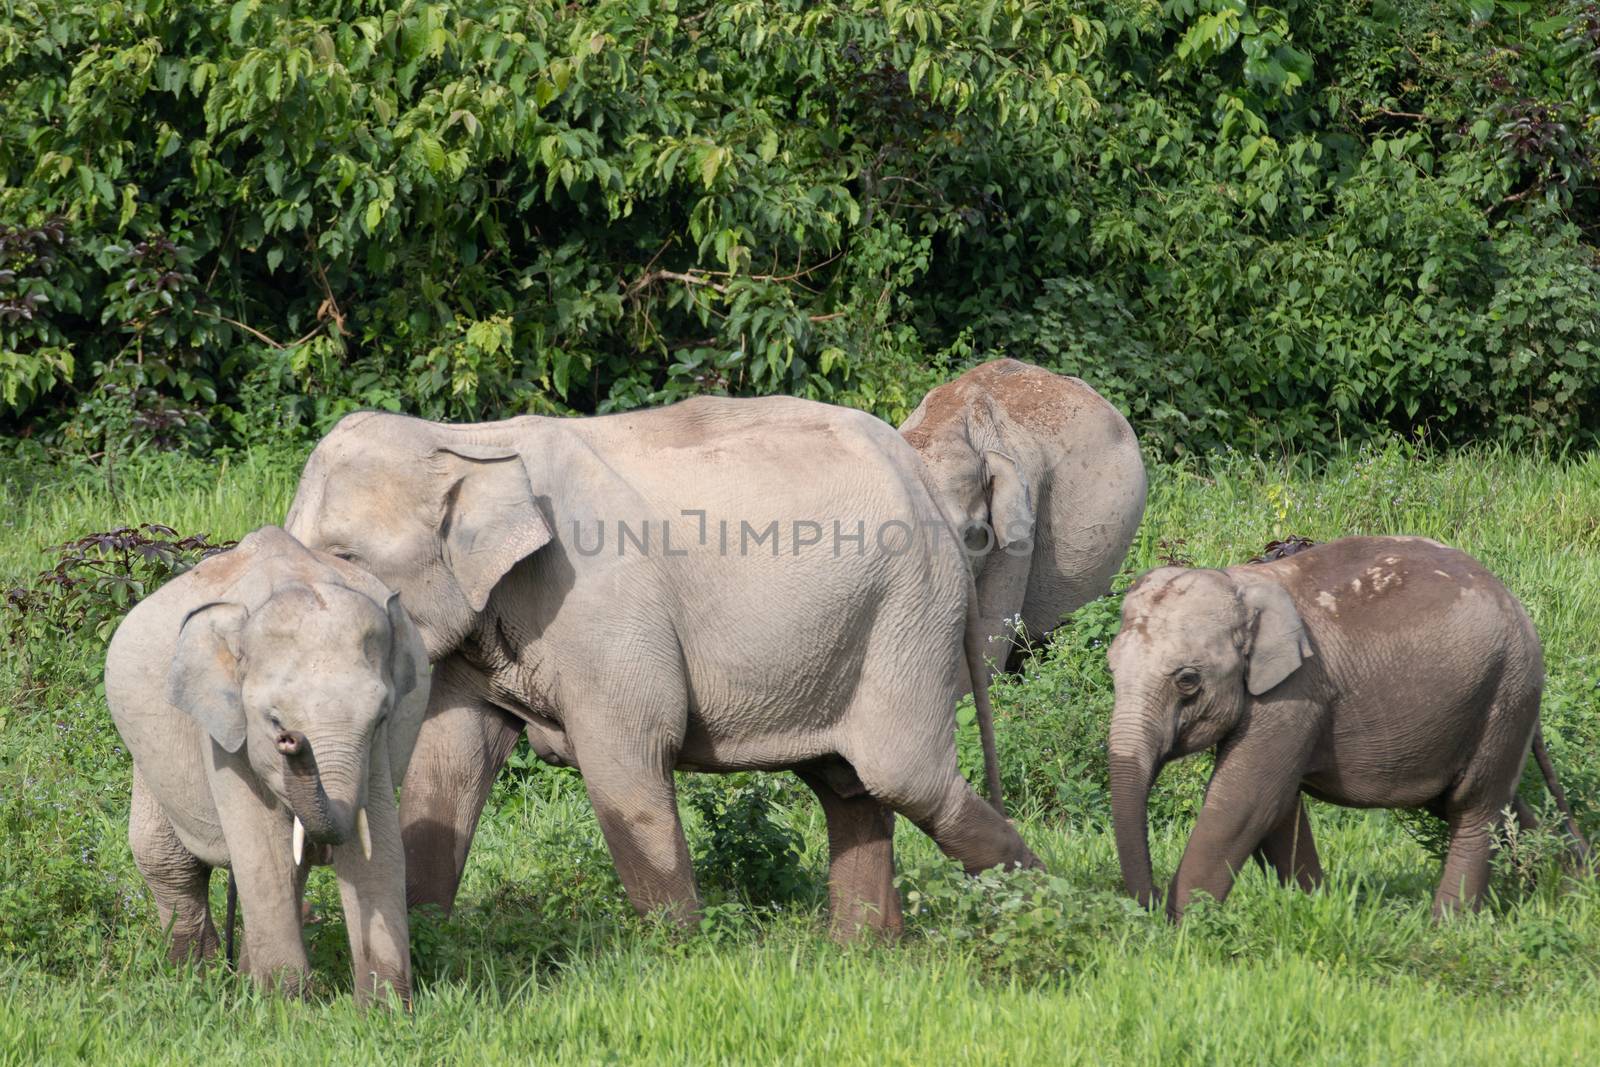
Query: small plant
point(1279, 549)
point(99, 576)
point(1026, 925)
point(1172, 552)
point(746, 849)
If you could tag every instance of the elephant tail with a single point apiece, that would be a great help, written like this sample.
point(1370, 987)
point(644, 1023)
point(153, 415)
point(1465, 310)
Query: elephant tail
point(233, 914)
point(975, 640)
point(1547, 768)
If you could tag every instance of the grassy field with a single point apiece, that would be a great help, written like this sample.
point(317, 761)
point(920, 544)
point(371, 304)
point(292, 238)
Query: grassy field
point(543, 961)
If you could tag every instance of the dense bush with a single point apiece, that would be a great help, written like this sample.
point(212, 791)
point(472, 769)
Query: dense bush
point(1246, 224)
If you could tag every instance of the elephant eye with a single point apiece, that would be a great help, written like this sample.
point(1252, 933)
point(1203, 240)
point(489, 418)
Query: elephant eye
point(1188, 681)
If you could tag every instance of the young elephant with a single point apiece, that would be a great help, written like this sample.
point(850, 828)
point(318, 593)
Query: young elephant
point(270, 696)
point(1369, 672)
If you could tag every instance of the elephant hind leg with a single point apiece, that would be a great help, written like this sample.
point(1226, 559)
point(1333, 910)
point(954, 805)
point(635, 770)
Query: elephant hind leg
point(930, 792)
point(861, 893)
point(900, 740)
point(1290, 851)
point(1474, 807)
point(178, 880)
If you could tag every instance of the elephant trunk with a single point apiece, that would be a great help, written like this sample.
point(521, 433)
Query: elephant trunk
point(1135, 762)
point(324, 794)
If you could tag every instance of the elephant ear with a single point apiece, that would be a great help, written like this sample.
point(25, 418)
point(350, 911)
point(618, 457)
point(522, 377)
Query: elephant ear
point(491, 520)
point(408, 673)
point(402, 658)
point(204, 678)
point(1275, 638)
point(1011, 512)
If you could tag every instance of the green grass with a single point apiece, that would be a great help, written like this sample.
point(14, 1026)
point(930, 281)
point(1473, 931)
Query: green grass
point(544, 961)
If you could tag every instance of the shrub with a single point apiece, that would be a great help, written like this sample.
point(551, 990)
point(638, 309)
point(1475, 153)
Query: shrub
point(1247, 225)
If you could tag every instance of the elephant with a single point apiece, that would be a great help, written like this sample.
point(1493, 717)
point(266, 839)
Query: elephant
point(717, 585)
point(1046, 479)
point(1366, 672)
point(270, 698)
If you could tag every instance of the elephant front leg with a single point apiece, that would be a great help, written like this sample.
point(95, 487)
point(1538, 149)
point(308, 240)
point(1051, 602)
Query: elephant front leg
point(1290, 850)
point(861, 892)
point(460, 749)
point(269, 881)
point(629, 778)
point(1466, 865)
point(1253, 790)
point(373, 892)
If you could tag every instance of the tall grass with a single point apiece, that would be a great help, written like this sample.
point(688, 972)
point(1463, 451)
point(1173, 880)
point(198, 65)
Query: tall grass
point(544, 962)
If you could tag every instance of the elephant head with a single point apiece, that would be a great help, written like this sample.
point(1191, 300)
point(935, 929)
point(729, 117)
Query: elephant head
point(433, 515)
point(1196, 648)
point(979, 485)
point(305, 683)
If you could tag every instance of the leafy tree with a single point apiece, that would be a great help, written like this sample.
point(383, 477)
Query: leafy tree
point(1245, 224)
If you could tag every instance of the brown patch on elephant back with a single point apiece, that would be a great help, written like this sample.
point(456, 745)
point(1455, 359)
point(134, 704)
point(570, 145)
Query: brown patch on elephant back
point(1033, 396)
point(1384, 582)
point(224, 567)
point(943, 406)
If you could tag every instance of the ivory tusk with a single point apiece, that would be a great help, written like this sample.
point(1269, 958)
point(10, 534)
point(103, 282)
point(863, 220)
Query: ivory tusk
point(299, 840)
point(363, 833)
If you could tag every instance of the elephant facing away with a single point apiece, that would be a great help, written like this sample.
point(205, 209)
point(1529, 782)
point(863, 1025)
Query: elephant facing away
point(1047, 477)
point(718, 585)
point(271, 696)
point(1368, 672)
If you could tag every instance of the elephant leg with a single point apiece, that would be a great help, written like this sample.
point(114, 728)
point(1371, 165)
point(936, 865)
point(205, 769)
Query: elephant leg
point(1253, 790)
point(1290, 850)
point(178, 880)
point(943, 806)
point(903, 749)
point(1526, 819)
point(461, 747)
point(861, 892)
point(270, 882)
point(373, 892)
point(630, 784)
point(1466, 865)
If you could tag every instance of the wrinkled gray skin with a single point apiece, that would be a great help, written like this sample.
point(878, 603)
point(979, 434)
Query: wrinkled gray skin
point(1368, 672)
point(629, 662)
point(1046, 479)
point(270, 683)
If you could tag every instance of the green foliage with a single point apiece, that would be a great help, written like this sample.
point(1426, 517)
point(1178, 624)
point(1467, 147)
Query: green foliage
point(471, 208)
point(745, 847)
point(1247, 225)
point(98, 577)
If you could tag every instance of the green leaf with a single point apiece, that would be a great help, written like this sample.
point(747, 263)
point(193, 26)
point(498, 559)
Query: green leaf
point(710, 163)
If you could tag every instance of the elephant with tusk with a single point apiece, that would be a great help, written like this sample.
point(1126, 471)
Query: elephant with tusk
point(717, 585)
point(271, 697)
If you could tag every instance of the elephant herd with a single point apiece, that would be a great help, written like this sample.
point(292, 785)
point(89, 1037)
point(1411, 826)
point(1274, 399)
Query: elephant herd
point(764, 584)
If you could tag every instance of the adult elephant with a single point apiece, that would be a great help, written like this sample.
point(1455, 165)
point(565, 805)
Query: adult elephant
point(1047, 479)
point(718, 585)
